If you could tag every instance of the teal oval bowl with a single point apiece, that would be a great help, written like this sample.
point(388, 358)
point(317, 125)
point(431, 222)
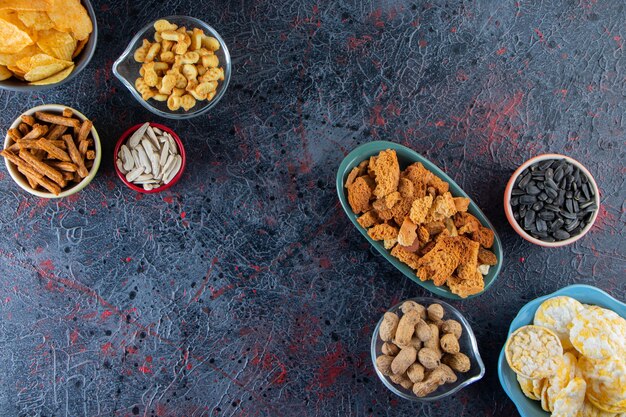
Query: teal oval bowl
point(406, 157)
point(586, 294)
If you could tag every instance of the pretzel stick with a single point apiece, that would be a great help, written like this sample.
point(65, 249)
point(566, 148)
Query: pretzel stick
point(15, 134)
point(56, 132)
point(37, 132)
point(54, 151)
point(31, 176)
point(67, 112)
point(34, 144)
point(43, 168)
point(29, 120)
point(64, 166)
point(75, 155)
point(24, 128)
point(57, 120)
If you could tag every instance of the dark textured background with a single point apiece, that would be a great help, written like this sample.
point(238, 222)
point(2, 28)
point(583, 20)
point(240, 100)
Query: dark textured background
point(245, 291)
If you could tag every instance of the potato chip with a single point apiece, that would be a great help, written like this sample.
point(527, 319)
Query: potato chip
point(79, 47)
point(71, 16)
point(569, 401)
point(5, 73)
point(60, 45)
point(598, 333)
point(59, 76)
point(11, 59)
point(41, 66)
point(32, 5)
point(35, 20)
point(16, 71)
point(557, 314)
point(12, 38)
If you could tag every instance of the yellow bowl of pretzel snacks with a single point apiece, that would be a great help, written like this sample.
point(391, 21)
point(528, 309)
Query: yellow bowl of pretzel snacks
point(52, 151)
point(177, 67)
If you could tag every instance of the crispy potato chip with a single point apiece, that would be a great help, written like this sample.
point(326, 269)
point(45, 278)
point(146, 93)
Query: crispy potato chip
point(59, 76)
point(32, 5)
point(16, 71)
point(5, 73)
point(35, 20)
point(71, 16)
point(12, 38)
point(60, 45)
point(11, 59)
point(79, 47)
point(45, 71)
point(27, 63)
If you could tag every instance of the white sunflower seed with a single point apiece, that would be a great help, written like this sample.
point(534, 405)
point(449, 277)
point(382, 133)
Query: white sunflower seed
point(145, 162)
point(136, 137)
point(132, 175)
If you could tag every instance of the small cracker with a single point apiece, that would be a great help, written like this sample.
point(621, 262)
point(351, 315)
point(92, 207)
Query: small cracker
point(534, 352)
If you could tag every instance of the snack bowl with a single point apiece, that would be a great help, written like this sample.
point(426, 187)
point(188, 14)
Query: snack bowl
point(406, 157)
point(467, 344)
point(126, 69)
point(181, 149)
point(21, 181)
point(80, 62)
point(509, 210)
point(585, 294)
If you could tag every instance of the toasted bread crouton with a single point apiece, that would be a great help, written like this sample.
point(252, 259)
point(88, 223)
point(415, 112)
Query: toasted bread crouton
point(409, 258)
point(427, 248)
point(487, 257)
point(386, 173)
point(389, 243)
point(387, 202)
point(444, 234)
point(352, 176)
point(484, 236)
point(405, 186)
point(442, 208)
point(422, 234)
point(368, 219)
point(408, 233)
point(440, 263)
point(420, 209)
point(359, 194)
point(401, 210)
point(466, 223)
point(419, 176)
point(434, 228)
point(440, 185)
point(383, 231)
point(461, 203)
point(469, 251)
point(449, 223)
point(466, 287)
point(371, 164)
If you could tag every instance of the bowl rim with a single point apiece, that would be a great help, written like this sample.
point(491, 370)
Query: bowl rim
point(17, 176)
point(373, 147)
point(90, 50)
point(530, 307)
point(181, 152)
point(145, 103)
point(466, 327)
point(509, 211)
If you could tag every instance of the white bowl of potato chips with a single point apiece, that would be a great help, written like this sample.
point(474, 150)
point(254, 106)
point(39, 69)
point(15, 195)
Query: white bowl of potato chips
point(177, 67)
point(566, 355)
point(44, 43)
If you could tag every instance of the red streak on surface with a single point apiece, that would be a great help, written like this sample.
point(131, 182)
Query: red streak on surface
point(332, 366)
point(501, 51)
point(325, 263)
point(540, 34)
point(215, 293)
point(355, 43)
point(168, 199)
point(144, 370)
point(106, 348)
point(74, 336)
point(105, 314)
point(423, 43)
point(376, 118)
point(440, 123)
point(183, 214)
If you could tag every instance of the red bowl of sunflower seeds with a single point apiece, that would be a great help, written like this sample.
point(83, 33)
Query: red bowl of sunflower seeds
point(149, 158)
point(551, 200)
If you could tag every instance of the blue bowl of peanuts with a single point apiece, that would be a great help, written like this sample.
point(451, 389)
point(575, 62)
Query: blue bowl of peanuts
point(589, 361)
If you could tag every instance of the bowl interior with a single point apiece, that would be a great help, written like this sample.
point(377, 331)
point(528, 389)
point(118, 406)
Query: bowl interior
point(467, 343)
point(509, 210)
point(80, 62)
point(21, 180)
point(585, 294)
point(181, 152)
point(126, 69)
point(406, 157)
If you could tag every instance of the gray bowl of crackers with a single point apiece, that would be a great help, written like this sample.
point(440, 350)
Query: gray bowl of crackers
point(52, 151)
